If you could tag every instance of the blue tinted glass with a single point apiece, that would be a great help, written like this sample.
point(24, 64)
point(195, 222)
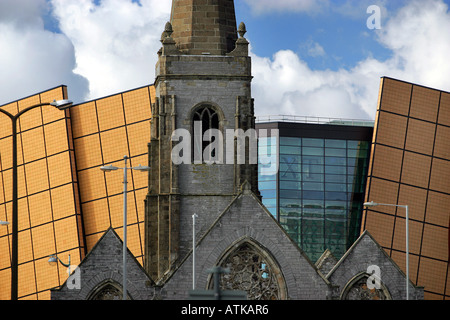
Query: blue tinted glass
point(342, 144)
point(290, 141)
point(291, 203)
point(313, 186)
point(262, 177)
point(289, 167)
point(267, 141)
point(270, 203)
point(313, 204)
point(284, 211)
point(336, 187)
point(290, 194)
point(336, 178)
point(355, 153)
point(267, 153)
point(312, 160)
point(290, 159)
point(335, 161)
point(290, 150)
point(364, 145)
point(313, 195)
point(336, 205)
point(268, 193)
point(313, 177)
point(307, 142)
point(335, 169)
point(292, 185)
point(267, 185)
point(313, 169)
point(335, 152)
point(336, 196)
point(309, 151)
point(289, 175)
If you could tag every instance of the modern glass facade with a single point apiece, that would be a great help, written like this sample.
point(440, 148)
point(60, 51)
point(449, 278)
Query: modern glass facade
point(318, 191)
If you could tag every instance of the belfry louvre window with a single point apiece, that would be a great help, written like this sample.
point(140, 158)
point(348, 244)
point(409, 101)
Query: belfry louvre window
point(204, 119)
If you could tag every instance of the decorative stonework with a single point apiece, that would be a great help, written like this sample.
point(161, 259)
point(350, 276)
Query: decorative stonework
point(254, 272)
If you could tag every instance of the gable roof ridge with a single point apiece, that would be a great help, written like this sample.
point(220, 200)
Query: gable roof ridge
point(244, 192)
point(111, 231)
point(364, 234)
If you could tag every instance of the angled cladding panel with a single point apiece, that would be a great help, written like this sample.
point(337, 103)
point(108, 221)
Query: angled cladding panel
point(105, 130)
point(204, 26)
point(410, 164)
point(48, 206)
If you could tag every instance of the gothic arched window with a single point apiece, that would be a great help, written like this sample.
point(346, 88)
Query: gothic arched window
point(204, 119)
point(357, 289)
point(253, 271)
point(108, 290)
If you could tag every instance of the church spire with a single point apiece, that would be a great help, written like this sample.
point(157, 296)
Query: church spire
point(204, 27)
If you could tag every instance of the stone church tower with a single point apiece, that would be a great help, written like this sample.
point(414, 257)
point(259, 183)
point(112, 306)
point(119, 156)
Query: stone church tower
point(203, 81)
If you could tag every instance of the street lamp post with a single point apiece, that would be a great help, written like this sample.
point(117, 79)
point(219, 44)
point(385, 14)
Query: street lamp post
point(61, 105)
point(193, 250)
point(373, 204)
point(125, 182)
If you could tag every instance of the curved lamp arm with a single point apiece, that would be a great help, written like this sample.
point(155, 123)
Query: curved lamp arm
point(54, 258)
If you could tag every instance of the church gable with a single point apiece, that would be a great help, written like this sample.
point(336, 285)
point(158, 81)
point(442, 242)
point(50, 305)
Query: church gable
point(246, 230)
point(367, 272)
point(99, 275)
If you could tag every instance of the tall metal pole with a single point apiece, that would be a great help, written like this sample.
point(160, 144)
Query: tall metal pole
point(15, 230)
point(193, 250)
point(125, 194)
point(373, 204)
point(14, 245)
point(407, 253)
point(125, 182)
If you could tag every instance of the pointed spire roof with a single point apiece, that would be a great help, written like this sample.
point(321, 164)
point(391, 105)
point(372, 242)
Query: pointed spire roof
point(204, 27)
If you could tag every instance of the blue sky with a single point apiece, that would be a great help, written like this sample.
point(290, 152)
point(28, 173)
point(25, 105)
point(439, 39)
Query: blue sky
point(310, 57)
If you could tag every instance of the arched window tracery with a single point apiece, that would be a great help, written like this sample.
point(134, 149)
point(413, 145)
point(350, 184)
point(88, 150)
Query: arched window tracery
point(254, 271)
point(204, 118)
point(358, 289)
point(108, 290)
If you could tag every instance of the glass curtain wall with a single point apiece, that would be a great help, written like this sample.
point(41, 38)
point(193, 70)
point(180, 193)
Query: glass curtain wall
point(317, 194)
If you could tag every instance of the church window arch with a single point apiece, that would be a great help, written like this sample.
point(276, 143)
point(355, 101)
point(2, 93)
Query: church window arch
point(107, 290)
point(205, 118)
point(253, 270)
point(357, 289)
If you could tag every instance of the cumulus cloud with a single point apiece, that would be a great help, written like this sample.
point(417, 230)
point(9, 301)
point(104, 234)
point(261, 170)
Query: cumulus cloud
point(33, 59)
point(115, 41)
point(110, 46)
point(417, 35)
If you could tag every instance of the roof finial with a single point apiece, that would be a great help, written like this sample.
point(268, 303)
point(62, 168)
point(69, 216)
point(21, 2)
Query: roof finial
point(167, 33)
point(242, 30)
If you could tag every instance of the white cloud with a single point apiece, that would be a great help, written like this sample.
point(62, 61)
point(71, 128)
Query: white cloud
point(114, 45)
point(314, 49)
point(418, 39)
point(116, 42)
point(33, 59)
